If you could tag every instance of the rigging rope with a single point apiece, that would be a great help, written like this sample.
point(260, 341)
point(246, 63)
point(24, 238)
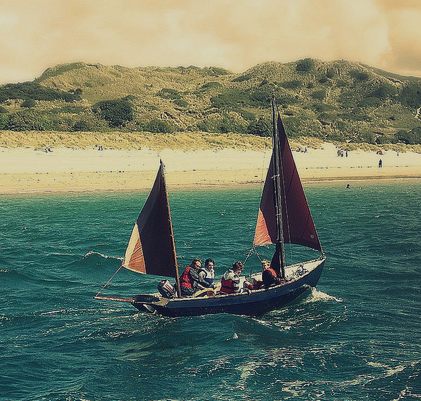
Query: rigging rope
point(109, 281)
point(249, 254)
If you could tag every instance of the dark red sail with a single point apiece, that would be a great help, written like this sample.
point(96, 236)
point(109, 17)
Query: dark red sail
point(298, 225)
point(151, 247)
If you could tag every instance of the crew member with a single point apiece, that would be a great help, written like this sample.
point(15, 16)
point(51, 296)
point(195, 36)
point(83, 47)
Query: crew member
point(230, 282)
point(207, 274)
point(269, 275)
point(189, 279)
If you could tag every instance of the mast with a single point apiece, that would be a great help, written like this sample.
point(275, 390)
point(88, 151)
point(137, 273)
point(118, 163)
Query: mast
point(277, 185)
point(177, 277)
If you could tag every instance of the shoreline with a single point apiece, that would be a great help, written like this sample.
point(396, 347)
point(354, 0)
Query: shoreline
point(43, 187)
point(62, 170)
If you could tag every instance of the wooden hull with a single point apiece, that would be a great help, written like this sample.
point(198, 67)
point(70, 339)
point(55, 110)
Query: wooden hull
point(255, 303)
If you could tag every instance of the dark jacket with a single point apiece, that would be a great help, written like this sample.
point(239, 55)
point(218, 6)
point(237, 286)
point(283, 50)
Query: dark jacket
point(270, 277)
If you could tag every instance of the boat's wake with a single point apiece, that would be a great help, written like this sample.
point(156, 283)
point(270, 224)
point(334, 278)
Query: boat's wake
point(316, 296)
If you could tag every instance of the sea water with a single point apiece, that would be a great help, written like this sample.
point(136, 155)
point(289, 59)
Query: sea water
point(357, 337)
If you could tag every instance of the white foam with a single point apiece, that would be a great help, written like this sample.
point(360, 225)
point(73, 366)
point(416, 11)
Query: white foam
point(317, 296)
point(91, 253)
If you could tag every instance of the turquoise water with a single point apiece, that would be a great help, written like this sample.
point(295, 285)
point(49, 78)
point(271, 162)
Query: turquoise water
point(358, 337)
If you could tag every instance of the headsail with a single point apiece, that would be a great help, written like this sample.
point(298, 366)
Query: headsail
point(151, 246)
point(298, 225)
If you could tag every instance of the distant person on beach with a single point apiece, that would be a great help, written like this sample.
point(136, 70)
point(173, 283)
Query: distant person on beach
point(380, 163)
point(348, 186)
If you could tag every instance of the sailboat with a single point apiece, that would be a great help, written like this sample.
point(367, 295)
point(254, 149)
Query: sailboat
point(283, 217)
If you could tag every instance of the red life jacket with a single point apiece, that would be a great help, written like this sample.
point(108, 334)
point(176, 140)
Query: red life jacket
point(230, 286)
point(185, 279)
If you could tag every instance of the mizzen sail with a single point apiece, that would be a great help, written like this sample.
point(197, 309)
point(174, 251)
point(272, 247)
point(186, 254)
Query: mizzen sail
point(151, 248)
point(298, 225)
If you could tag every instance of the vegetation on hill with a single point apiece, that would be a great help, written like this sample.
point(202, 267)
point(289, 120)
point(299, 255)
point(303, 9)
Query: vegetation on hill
point(336, 100)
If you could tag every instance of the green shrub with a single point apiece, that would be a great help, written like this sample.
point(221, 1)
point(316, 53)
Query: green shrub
point(411, 94)
point(319, 94)
point(231, 99)
point(330, 73)
point(296, 126)
point(228, 124)
point(367, 137)
point(359, 75)
point(29, 120)
point(168, 93)
point(82, 125)
point(323, 80)
point(322, 107)
point(384, 91)
point(115, 112)
point(294, 84)
point(71, 109)
point(204, 125)
point(4, 121)
point(260, 97)
point(160, 126)
point(210, 85)
point(259, 127)
point(28, 103)
point(180, 102)
point(247, 115)
point(305, 65)
point(243, 77)
point(3, 109)
point(370, 102)
point(35, 91)
point(382, 139)
point(284, 99)
point(412, 137)
point(223, 124)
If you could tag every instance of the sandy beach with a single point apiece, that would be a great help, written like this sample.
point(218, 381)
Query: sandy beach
point(28, 170)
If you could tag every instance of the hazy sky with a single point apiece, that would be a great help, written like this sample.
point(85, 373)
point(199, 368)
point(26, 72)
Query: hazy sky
point(235, 34)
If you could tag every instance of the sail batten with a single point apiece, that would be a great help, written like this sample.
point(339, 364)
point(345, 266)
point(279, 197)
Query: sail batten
point(298, 225)
point(151, 247)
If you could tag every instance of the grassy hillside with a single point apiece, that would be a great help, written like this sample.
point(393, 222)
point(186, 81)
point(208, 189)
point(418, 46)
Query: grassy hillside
point(336, 100)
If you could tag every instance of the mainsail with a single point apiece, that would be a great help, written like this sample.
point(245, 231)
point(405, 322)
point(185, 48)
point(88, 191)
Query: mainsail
point(151, 248)
point(297, 223)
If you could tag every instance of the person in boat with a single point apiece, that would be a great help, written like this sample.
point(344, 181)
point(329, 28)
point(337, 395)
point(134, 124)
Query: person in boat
point(207, 274)
point(269, 275)
point(190, 282)
point(230, 282)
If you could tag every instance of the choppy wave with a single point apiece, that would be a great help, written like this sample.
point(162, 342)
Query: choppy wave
point(94, 254)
